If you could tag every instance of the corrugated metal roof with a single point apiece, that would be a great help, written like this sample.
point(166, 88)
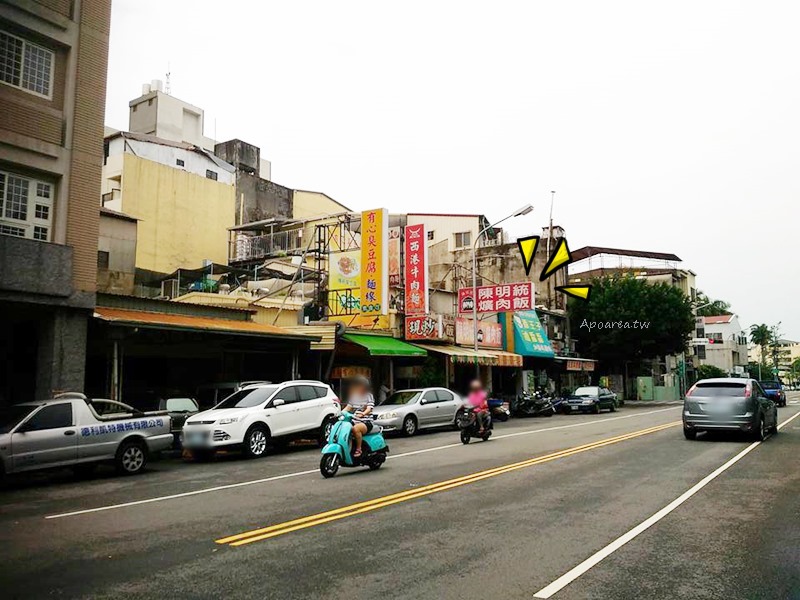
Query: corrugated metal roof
point(326, 333)
point(175, 321)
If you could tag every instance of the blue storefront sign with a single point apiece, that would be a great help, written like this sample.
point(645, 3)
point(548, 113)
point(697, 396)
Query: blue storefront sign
point(524, 334)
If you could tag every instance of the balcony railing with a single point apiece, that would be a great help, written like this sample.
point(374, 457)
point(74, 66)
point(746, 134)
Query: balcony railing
point(244, 247)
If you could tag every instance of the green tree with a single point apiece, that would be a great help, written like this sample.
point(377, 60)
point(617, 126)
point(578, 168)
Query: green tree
point(761, 336)
point(659, 320)
point(709, 308)
point(709, 371)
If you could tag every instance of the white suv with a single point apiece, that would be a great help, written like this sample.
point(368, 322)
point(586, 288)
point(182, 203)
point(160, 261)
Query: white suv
point(260, 414)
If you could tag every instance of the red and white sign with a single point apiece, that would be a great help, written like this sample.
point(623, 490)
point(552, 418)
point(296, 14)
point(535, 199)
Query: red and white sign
point(490, 335)
point(497, 298)
point(416, 270)
point(430, 327)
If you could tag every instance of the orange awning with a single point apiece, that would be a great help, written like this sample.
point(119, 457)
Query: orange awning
point(158, 320)
point(506, 359)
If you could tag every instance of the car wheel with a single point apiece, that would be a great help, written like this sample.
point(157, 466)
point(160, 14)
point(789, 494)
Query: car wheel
point(613, 407)
point(409, 426)
point(690, 434)
point(329, 465)
point(459, 413)
point(596, 409)
point(325, 431)
point(131, 457)
point(256, 441)
point(760, 430)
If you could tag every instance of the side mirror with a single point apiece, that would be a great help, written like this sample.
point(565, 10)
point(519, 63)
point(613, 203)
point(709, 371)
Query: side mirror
point(423, 401)
point(278, 402)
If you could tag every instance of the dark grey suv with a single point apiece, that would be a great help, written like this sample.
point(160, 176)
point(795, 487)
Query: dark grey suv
point(729, 404)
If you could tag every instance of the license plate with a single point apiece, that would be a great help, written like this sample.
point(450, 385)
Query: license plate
point(194, 438)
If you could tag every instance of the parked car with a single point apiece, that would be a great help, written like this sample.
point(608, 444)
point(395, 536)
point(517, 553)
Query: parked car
point(590, 398)
point(177, 403)
point(408, 411)
point(730, 404)
point(774, 391)
point(261, 414)
point(70, 431)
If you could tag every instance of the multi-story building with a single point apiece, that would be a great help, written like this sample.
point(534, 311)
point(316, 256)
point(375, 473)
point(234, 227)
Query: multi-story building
point(727, 344)
point(53, 63)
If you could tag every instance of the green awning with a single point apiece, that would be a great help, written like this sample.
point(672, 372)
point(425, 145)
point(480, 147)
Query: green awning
point(382, 345)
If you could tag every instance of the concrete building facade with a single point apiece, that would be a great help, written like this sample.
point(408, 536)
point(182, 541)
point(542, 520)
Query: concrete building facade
point(727, 347)
point(54, 57)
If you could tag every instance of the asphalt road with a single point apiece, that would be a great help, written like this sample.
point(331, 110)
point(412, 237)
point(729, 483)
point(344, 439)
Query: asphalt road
point(516, 517)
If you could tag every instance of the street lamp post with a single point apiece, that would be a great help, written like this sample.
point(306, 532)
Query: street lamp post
point(518, 213)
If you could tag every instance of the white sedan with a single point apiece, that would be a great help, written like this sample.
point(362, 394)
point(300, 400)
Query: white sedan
point(409, 411)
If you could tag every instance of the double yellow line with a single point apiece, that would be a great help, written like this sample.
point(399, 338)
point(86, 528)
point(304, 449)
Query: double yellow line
point(257, 535)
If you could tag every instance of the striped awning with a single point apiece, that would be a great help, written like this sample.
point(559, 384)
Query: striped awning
point(462, 354)
point(506, 359)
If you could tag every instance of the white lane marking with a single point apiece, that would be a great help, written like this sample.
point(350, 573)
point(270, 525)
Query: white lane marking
point(310, 471)
point(579, 570)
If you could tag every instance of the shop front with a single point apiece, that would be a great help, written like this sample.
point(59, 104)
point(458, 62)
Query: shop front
point(459, 364)
point(377, 357)
point(524, 335)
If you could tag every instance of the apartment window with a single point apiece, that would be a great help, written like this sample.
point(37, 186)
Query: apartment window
point(179, 162)
point(25, 65)
point(102, 259)
point(701, 332)
point(463, 239)
point(211, 174)
point(26, 207)
point(700, 351)
point(430, 235)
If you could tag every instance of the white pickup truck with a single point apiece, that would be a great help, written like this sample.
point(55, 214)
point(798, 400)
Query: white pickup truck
point(72, 430)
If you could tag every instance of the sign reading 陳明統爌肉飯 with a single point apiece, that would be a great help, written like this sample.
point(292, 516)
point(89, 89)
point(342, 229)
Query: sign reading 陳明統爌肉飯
point(416, 271)
point(496, 298)
point(374, 262)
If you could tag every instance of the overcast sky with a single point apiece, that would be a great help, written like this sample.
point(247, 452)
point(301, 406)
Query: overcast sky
point(670, 128)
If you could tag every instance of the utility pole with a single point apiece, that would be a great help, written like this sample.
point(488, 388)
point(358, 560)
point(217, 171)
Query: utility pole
point(549, 237)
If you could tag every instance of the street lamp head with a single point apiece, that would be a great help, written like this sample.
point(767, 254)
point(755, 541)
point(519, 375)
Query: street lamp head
point(528, 208)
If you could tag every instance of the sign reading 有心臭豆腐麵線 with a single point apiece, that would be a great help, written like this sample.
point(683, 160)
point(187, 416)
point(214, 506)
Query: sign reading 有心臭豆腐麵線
point(374, 262)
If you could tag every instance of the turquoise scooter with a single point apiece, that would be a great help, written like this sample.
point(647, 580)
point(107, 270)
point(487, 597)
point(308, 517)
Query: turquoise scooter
point(339, 449)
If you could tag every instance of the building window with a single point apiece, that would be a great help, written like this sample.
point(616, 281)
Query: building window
point(211, 174)
point(102, 259)
point(700, 351)
point(430, 235)
point(701, 332)
point(463, 239)
point(179, 162)
point(25, 65)
point(26, 207)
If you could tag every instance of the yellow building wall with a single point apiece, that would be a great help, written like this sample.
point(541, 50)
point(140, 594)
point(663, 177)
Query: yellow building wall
point(183, 218)
point(310, 205)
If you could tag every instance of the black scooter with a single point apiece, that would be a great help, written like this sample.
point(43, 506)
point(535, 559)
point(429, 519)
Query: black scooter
point(470, 428)
point(539, 403)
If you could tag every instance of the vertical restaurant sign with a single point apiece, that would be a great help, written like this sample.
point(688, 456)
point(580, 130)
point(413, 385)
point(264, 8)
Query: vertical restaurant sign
point(374, 262)
point(497, 298)
point(416, 271)
point(394, 257)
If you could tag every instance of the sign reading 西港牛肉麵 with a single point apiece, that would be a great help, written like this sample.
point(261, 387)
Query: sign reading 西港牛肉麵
point(416, 271)
point(496, 298)
point(374, 262)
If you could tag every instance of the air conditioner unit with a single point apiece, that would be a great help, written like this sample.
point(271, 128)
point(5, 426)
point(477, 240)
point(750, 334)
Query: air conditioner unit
point(170, 289)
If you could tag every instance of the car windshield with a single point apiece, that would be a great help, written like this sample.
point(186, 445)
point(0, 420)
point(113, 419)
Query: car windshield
point(720, 390)
point(587, 391)
point(770, 385)
point(404, 397)
point(11, 416)
point(181, 405)
point(247, 397)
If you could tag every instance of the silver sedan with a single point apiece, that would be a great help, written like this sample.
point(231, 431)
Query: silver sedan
point(409, 411)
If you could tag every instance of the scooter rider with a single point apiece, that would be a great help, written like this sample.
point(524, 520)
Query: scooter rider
point(477, 399)
point(360, 402)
